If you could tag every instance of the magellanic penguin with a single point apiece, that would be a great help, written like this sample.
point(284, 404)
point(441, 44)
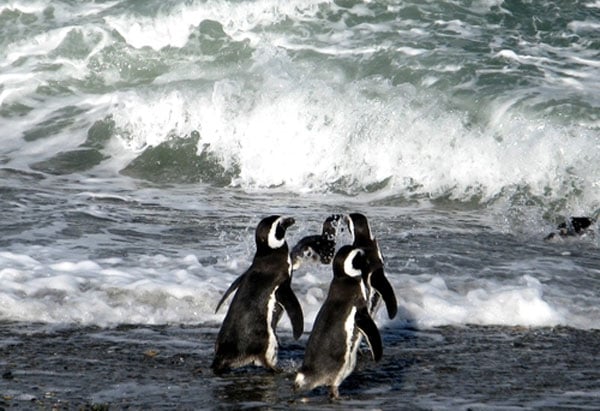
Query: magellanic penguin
point(321, 247)
point(247, 335)
point(330, 354)
point(377, 284)
point(573, 227)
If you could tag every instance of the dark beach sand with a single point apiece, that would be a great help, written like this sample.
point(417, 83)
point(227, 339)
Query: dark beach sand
point(167, 367)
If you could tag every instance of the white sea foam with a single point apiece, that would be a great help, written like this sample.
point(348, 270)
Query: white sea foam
point(308, 135)
point(432, 303)
point(30, 7)
point(586, 25)
point(307, 125)
point(108, 292)
point(53, 284)
point(595, 4)
point(238, 20)
point(90, 292)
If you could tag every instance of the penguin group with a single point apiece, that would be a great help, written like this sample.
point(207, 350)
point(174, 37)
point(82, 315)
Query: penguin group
point(247, 335)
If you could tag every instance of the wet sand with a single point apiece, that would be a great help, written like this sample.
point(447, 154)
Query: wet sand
point(167, 367)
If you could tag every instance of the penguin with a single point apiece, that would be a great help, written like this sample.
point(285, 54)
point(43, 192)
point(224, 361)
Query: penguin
point(247, 334)
point(573, 227)
point(377, 284)
point(331, 350)
point(318, 247)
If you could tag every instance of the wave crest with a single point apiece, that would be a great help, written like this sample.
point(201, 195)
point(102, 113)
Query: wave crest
point(176, 161)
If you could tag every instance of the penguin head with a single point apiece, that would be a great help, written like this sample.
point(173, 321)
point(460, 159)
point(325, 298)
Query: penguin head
point(356, 262)
point(350, 262)
point(270, 233)
point(358, 225)
point(331, 226)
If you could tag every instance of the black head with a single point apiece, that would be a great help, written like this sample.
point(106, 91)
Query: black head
point(331, 226)
point(580, 224)
point(359, 229)
point(350, 262)
point(270, 232)
point(572, 227)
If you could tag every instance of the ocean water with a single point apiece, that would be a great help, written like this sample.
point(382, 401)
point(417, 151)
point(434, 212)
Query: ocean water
point(142, 142)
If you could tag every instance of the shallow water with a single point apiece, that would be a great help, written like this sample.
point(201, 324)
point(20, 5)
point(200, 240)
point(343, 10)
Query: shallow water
point(103, 253)
point(489, 317)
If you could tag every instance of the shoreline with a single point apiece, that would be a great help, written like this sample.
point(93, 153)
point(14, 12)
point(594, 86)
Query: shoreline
point(165, 367)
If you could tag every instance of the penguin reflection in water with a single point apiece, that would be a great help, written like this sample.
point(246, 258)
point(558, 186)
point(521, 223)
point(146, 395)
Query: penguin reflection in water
point(330, 354)
point(247, 335)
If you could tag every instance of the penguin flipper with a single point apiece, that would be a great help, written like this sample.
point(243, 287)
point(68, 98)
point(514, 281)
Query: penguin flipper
point(384, 288)
point(234, 285)
point(367, 326)
point(286, 297)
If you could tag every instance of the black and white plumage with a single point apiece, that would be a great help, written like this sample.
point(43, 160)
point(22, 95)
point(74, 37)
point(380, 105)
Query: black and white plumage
point(573, 227)
point(330, 354)
point(247, 335)
point(319, 247)
point(377, 283)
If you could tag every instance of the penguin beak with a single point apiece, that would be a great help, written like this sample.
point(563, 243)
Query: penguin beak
point(287, 222)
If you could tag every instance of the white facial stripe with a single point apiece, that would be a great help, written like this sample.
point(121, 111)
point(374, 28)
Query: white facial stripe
point(273, 242)
point(348, 267)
